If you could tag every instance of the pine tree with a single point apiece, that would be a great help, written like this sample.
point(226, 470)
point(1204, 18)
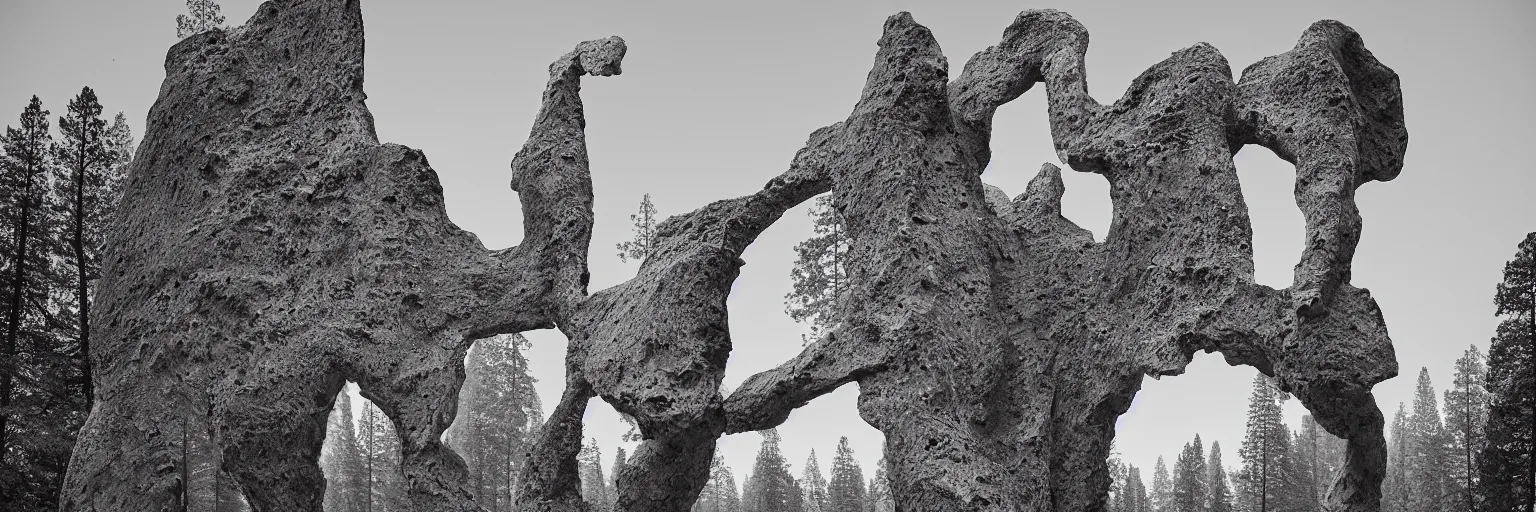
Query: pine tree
point(340, 461)
point(1426, 460)
point(644, 240)
point(202, 16)
point(1508, 466)
point(1219, 499)
point(81, 186)
point(594, 488)
point(719, 494)
point(1394, 489)
point(41, 401)
point(879, 498)
point(814, 485)
point(498, 413)
point(819, 275)
point(1266, 478)
point(1189, 479)
point(1466, 415)
point(773, 489)
point(379, 447)
point(845, 493)
point(1162, 487)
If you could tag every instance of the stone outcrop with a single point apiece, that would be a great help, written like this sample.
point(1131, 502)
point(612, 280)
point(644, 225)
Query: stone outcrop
point(269, 249)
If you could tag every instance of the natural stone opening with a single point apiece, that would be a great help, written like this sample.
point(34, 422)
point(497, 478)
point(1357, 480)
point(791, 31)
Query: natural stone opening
point(1279, 230)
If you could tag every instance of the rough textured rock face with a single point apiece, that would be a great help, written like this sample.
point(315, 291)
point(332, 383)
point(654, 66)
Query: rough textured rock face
point(270, 248)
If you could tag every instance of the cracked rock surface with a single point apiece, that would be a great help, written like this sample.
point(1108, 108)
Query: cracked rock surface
point(269, 249)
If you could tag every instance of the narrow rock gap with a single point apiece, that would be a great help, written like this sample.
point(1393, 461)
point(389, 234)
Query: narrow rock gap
point(1279, 230)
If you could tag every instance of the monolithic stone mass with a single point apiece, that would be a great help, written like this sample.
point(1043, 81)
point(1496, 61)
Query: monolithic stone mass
point(269, 249)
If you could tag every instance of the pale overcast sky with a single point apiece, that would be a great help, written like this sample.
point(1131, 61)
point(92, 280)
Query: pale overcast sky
point(717, 96)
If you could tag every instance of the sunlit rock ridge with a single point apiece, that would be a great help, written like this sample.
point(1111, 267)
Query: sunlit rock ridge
point(269, 249)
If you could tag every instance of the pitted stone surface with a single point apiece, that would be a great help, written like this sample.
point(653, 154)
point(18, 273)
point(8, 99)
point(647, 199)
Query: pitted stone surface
point(271, 249)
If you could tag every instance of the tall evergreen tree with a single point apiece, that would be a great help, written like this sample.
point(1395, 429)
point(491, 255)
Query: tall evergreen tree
point(379, 446)
point(879, 498)
point(594, 488)
point(1426, 459)
point(1190, 488)
point(773, 488)
point(644, 240)
point(498, 414)
point(201, 16)
point(41, 406)
point(719, 493)
point(1508, 465)
point(1267, 482)
point(340, 461)
point(1394, 488)
point(814, 485)
point(1219, 499)
point(845, 493)
point(81, 186)
point(1162, 487)
point(819, 275)
point(1466, 415)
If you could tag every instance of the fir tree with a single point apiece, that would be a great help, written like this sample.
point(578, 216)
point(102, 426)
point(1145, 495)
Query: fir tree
point(202, 16)
point(594, 488)
point(81, 186)
point(1394, 489)
point(1189, 479)
point(814, 485)
point(1426, 460)
point(644, 240)
point(879, 498)
point(719, 493)
point(845, 493)
point(1162, 487)
point(1466, 414)
point(41, 403)
point(340, 461)
point(773, 489)
point(819, 275)
point(379, 446)
point(1266, 474)
point(1219, 499)
point(498, 413)
point(1508, 465)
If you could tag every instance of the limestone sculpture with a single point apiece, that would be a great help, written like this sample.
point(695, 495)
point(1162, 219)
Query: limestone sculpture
point(269, 249)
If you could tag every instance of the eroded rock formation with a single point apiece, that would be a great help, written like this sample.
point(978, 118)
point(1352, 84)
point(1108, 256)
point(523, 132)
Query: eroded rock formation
point(269, 249)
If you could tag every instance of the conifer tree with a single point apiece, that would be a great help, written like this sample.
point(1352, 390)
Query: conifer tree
point(1189, 479)
point(1394, 488)
point(819, 276)
point(773, 489)
point(814, 485)
point(719, 493)
point(1466, 415)
point(201, 16)
point(39, 377)
point(81, 186)
point(498, 413)
point(340, 461)
point(1219, 499)
point(845, 493)
point(1267, 483)
point(644, 240)
point(594, 488)
point(1508, 465)
point(1162, 487)
point(1427, 456)
point(379, 446)
point(879, 498)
